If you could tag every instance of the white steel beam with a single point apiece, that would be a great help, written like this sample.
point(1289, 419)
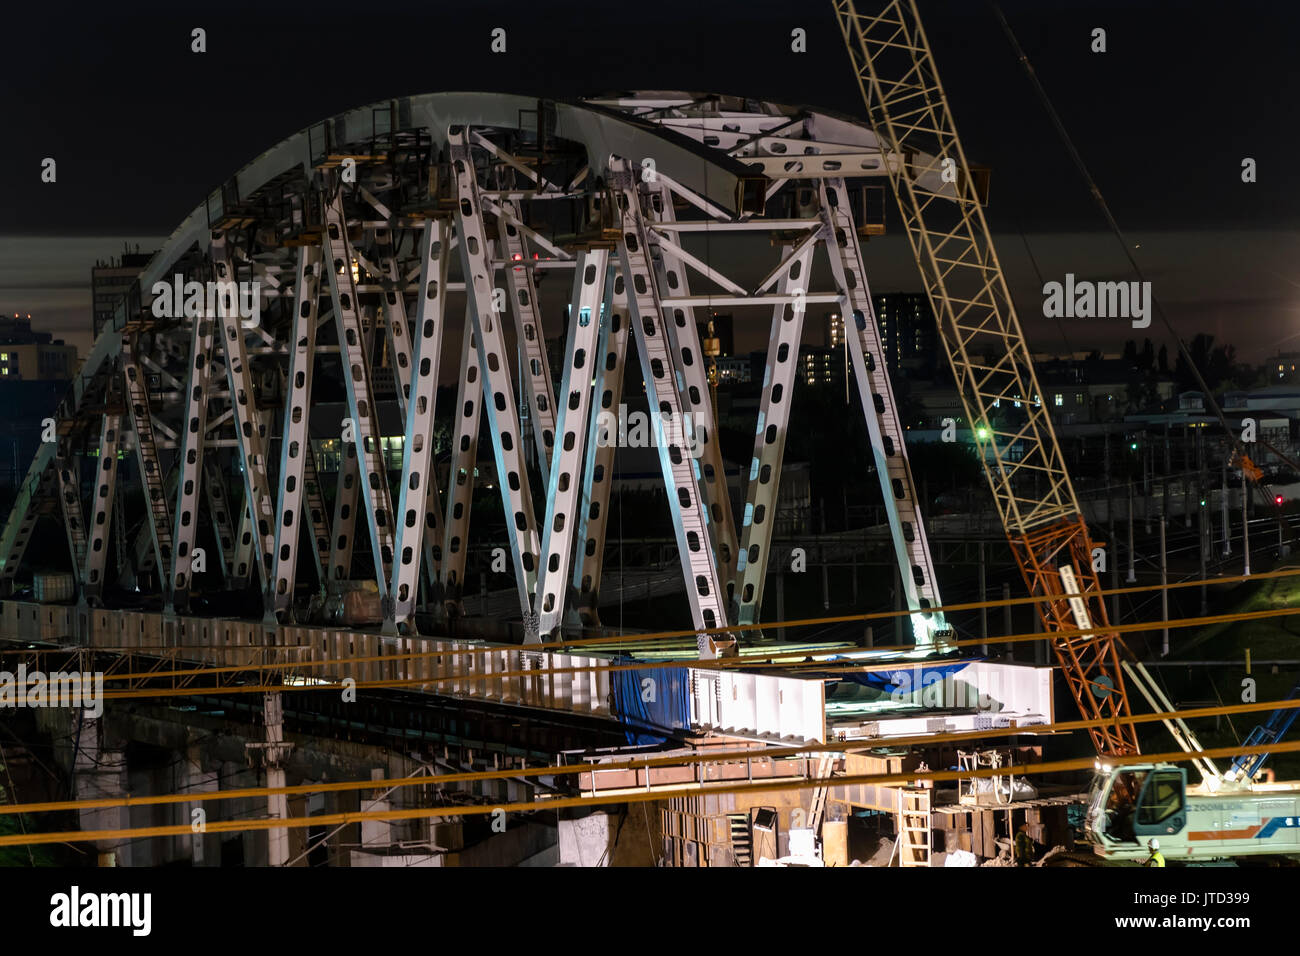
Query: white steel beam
point(146, 451)
point(190, 461)
point(295, 435)
point(586, 316)
point(696, 394)
point(417, 507)
point(764, 474)
point(598, 473)
point(649, 318)
point(101, 509)
point(898, 489)
point(498, 391)
point(464, 456)
point(356, 364)
point(531, 335)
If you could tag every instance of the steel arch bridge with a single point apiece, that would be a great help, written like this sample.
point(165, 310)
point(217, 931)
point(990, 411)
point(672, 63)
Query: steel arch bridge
point(346, 251)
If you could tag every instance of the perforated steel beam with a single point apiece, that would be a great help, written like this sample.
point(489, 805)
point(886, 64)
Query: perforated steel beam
point(347, 492)
point(586, 316)
point(531, 335)
point(460, 478)
point(598, 472)
point(101, 509)
point(920, 587)
point(67, 473)
point(704, 587)
point(190, 461)
point(158, 520)
point(498, 391)
point(417, 507)
point(696, 394)
point(295, 441)
point(250, 430)
point(764, 474)
point(352, 349)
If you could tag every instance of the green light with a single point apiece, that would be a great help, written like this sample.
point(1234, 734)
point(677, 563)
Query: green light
point(1202, 502)
point(981, 433)
point(1134, 446)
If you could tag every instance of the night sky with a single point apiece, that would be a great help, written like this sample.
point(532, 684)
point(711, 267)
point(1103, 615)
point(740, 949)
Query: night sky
point(142, 128)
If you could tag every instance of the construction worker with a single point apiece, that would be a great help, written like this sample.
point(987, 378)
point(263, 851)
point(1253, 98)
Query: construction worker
point(1024, 846)
point(1156, 858)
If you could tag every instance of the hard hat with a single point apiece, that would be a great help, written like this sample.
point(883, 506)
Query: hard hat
point(1153, 844)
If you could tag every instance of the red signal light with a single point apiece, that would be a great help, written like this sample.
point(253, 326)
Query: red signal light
point(1277, 499)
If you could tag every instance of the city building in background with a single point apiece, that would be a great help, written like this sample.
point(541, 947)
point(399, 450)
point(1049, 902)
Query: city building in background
point(111, 280)
point(33, 356)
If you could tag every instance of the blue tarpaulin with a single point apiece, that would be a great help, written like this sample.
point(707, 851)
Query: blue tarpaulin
point(652, 702)
point(906, 677)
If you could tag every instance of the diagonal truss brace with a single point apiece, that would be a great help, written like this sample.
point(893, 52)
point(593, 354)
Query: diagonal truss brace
point(585, 319)
point(498, 392)
point(373, 473)
point(295, 440)
point(649, 318)
point(417, 509)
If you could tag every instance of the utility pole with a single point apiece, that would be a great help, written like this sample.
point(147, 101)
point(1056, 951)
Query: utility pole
point(1203, 538)
point(1132, 576)
point(1223, 508)
point(984, 611)
point(1245, 526)
point(1006, 618)
point(1164, 590)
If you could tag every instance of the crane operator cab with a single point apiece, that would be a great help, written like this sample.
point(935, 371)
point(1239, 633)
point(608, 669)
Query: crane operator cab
point(1127, 806)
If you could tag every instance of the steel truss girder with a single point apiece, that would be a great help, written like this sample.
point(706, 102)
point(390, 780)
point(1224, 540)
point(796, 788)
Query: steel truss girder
point(36, 488)
point(586, 316)
point(295, 436)
point(190, 462)
point(417, 507)
point(256, 533)
point(356, 375)
point(67, 473)
point(346, 494)
point(530, 333)
point(696, 394)
point(158, 521)
point(399, 333)
point(598, 473)
point(498, 391)
point(898, 489)
point(649, 319)
point(460, 477)
point(764, 480)
point(101, 508)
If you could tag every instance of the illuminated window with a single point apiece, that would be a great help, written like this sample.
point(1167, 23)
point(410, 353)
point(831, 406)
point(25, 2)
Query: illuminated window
point(1058, 399)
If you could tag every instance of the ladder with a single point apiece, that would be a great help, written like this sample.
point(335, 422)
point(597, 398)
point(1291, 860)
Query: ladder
point(151, 476)
point(742, 841)
point(825, 767)
point(914, 827)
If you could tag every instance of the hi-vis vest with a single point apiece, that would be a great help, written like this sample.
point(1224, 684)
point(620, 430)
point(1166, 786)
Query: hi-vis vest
point(1157, 859)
